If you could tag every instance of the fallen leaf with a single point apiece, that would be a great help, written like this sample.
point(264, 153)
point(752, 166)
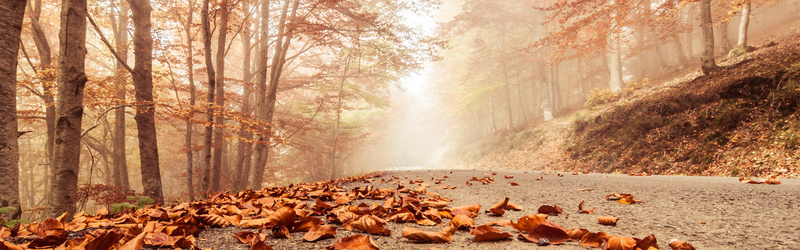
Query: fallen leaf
point(773, 180)
point(104, 241)
point(489, 233)
point(320, 232)
point(370, 224)
point(749, 181)
point(285, 216)
point(416, 235)
point(502, 223)
point(550, 209)
point(581, 210)
point(514, 184)
point(213, 220)
point(499, 208)
point(260, 245)
point(462, 222)
point(47, 241)
point(621, 243)
point(648, 242)
point(608, 220)
point(594, 239)
point(508, 176)
point(676, 244)
point(280, 231)
point(577, 233)
point(554, 235)
point(529, 222)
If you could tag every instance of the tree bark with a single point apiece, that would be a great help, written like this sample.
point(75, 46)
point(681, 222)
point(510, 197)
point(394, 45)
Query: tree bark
point(708, 63)
point(220, 96)
point(243, 158)
point(192, 99)
point(11, 15)
point(261, 100)
point(209, 96)
point(143, 86)
point(725, 42)
point(121, 44)
point(71, 78)
point(742, 41)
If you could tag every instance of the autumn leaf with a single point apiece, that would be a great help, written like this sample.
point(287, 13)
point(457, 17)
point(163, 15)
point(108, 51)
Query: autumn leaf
point(306, 224)
point(676, 244)
point(772, 180)
point(370, 224)
point(594, 239)
point(514, 184)
point(621, 243)
point(320, 232)
point(550, 210)
point(528, 223)
point(462, 222)
point(47, 241)
point(104, 241)
point(581, 210)
point(280, 231)
point(284, 216)
point(501, 223)
point(355, 242)
point(648, 242)
point(608, 220)
point(213, 220)
point(247, 237)
point(474, 209)
point(577, 233)
point(554, 235)
point(489, 233)
point(416, 235)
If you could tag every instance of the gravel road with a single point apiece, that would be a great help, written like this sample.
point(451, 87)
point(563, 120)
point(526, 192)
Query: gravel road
point(708, 212)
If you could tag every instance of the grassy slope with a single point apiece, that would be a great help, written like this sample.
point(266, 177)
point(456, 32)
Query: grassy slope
point(741, 120)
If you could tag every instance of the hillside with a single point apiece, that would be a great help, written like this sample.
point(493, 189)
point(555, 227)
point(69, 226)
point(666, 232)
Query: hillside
point(742, 120)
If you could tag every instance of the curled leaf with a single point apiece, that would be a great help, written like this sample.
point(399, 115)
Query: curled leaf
point(488, 233)
point(416, 235)
point(370, 224)
point(648, 242)
point(554, 235)
point(621, 243)
point(576, 233)
point(462, 222)
point(676, 244)
point(529, 222)
point(594, 239)
point(320, 232)
point(608, 220)
point(280, 231)
point(550, 210)
point(581, 210)
point(356, 242)
point(499, 208)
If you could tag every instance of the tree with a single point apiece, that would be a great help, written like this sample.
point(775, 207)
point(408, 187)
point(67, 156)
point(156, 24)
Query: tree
point(187, 28)
point(741, 43)
point(708, 63)
point(243, 155)
point(118, 137)
point(11, 15)
point(220, 96)
point(257, 172)
point(43, 47)
point(71, 79)
point(209, 125)
point(143, 86)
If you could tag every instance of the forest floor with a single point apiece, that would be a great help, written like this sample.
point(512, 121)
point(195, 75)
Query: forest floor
point(707, 212)
point(741, 120)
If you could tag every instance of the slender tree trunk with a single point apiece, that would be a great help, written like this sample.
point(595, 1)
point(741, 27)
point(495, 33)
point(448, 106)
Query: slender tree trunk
point(521, 101)
point(261, 98)
point(725, 42)
point(43, 47)
point(192, 99)
point(143, 86)
point(708, 63)
point(11, 15)
point(209, 97)
point(338, 117)
point(120, 157)
point(614, 63)
point(220, 96)
point(71, 78)
point(244, 146)
point(741, 43)
point(558, 104)
point(689, 36)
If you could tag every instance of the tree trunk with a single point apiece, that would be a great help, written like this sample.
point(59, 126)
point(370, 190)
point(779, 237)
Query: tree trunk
point(192, 99)
point(11, 15)
point(209, 97)
point(220, 96)
point(143, 88)
point(742, 41)
point(243, 158)
point(708, 63)
point(43, 47)
point(121, 44)
point(261, 100)
point(614, 63)
point(71, 80)
point(725, 42)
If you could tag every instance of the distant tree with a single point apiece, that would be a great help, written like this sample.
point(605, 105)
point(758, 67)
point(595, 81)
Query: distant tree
point(11, 15)
point(120, 81)
point(708, 63)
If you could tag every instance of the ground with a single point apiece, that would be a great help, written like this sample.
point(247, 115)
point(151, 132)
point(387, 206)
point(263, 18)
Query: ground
point(708, 212)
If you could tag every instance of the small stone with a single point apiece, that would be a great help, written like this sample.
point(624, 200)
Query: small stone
point(543, 242)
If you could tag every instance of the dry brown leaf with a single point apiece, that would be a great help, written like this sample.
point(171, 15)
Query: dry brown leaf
point(647, 243)
point(554, 234)
point(260, 245)
point(621, 243)
point(550, 210)
point(488, 233)
point(529, 222)
point(594, 239)
point(306, 224)
point(320, 232)
point(772, 180)
point(608, 220)
point(416, 235)
point(501, 223)
point(499, 208)
point(254, 224)
point(213, 220)
point(370, 224)
point(462, 222)
point(280, 231)
point(285, 216)
point(247, 237)
point(577, 233)
point(581, 210)
point(356, 242)
point(508, 176)
point(104, 241)
point(676, 244)
point(514, 184)
point(48, 241)
point(474, 208)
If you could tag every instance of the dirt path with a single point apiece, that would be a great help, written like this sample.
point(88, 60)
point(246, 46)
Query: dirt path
point(709, 212)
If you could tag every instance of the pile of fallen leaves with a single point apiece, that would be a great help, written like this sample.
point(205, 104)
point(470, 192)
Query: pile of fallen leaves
point(317, 209)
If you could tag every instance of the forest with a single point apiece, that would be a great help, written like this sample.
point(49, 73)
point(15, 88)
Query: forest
point(176, 100)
